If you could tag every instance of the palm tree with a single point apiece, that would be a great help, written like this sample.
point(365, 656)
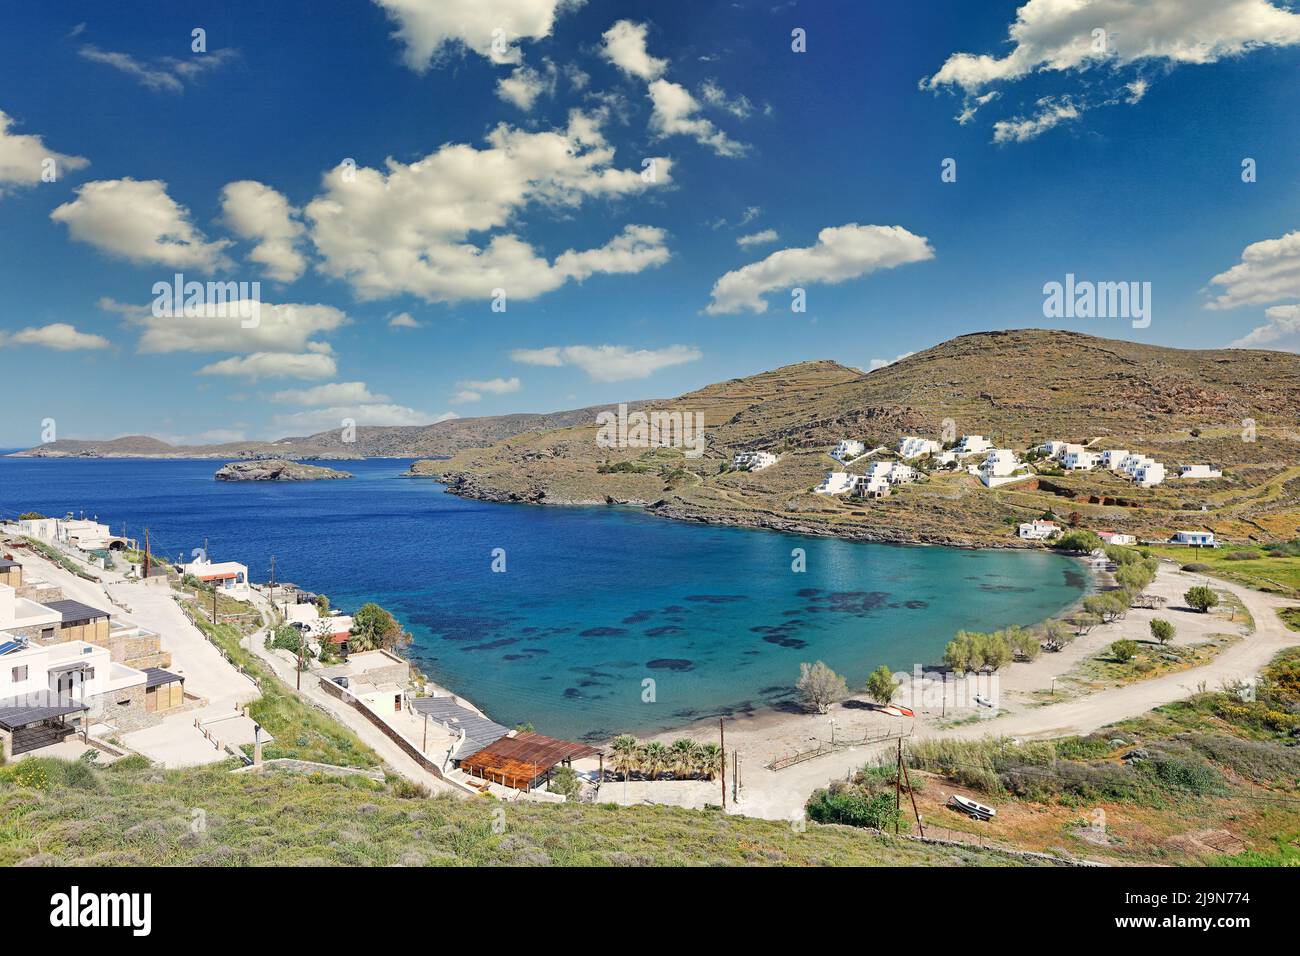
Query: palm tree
point(710, 761)
point(683, 756)
point(654, 757)
point(627, 754)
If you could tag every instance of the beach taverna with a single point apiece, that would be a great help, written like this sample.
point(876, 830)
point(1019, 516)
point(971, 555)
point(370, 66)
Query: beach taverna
point(525, 760)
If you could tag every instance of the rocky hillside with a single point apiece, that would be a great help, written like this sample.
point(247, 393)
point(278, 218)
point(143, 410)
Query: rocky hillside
point(1232, 408)
point(277, 469)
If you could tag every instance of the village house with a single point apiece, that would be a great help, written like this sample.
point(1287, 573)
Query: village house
point(1114, 537)
point(1195, 539)
point(1052, 449)
point(1149, 474)
point(230, 578)
point(22, 617)
point(973, 445)
point(753, 460)
point(11, 572)
point(1079, 460)
point(1111, 457)
point(912, 446)
point(1039, 530)
point(835, 483)
point(848, 449)
point(1199, 471)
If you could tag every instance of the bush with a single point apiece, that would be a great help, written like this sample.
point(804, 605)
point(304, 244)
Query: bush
point(1124, 651)
point(1162, 630)
point(820, 686)
point(881, 685)
point(1079, 541)
point(1201, 598)
point(1243, 555)
point(854, 808)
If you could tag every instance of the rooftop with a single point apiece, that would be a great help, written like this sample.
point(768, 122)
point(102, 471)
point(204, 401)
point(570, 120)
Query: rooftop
point(76, 611)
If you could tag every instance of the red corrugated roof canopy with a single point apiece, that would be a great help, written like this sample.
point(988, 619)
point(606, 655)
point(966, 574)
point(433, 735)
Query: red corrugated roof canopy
point(518, 761)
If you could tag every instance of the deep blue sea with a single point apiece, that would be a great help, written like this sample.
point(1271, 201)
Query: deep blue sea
point(593, 600)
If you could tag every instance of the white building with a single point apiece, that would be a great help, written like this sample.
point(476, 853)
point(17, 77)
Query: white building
point(1051, 448)
point(22, 617)
point(1080, 460)
point(39, 675)
point(1199, 471)
point(1039, 530)
point(1111, 457)
point(999, 463)
point(83, 534)
point(912, 446)
point(1203, 539)
point(973, 445)
point(894, 472)
point(848, 449)
point(871, 486)
point(1115, 537)
point(753, 460)
point(835, 483)
point(229, 577)
point(42, 529)
point(1149, 474)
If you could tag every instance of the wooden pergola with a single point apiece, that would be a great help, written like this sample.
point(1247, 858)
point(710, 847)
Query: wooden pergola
point(519, 762)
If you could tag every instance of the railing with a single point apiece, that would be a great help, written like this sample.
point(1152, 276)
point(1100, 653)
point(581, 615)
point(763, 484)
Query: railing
point(823, 748)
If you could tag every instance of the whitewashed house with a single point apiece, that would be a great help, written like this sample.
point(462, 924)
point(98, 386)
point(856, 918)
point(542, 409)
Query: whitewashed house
point(1039, 530)
point(1199, 471)
point(228, 577)
point(23, 618)
point(999, 467)
point(1080, 460)
point(1115, 537)
point(1198, 539)
point(871, 486)
point(894, 472)
point(1111, 457)
point(753, 460)
point(1051, 448)
point(973, 445)
point(835, 483)
point(1149, 474)
point(848, 449)
point(912, 446)
point(42, 529)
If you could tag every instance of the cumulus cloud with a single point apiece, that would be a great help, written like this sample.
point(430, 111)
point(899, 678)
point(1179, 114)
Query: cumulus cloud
point(1051, 112)
point(404, 320)
point(335, 393)
point(676, 112)
point(884, 363)
point(524, 85)
point(136, 220)
point(406, 229)
point(323, 419)
point(841, 252)
point(1282, 330)
point(472, 390)
point(609, 363)
point(738, 106)
point(165, 74)
point(1269, 271)
point(758, 238)
point(57, 335)
point(427, 27)
point(258, 213)
point(625, 47)
point(1062, 36)
point(281, 327)
point(22, 157)
point(263, 365)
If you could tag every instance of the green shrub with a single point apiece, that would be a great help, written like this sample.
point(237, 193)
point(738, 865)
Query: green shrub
point(853, 807)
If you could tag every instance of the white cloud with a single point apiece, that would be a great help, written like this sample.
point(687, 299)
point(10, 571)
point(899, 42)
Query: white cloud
point(281, 327)
point(336, 393)
point(1281, 331)
point(841, 252)
point(883, 363)
point(262, 365)
point(57, 335)
point(257, 212)
point(675, 113)
point(1269, 271)
point(758, 238)
point(136, 220)
point(524, 85)
point(1058, 36)
point(738, 106)
point(472, 390)
point(404, 320)
point(625, 47)
point(426, 27)
point(407, 229)
point(1051, 112)
point(323, 419)
point(609, 363)
point(165, 74)
point(22, 156)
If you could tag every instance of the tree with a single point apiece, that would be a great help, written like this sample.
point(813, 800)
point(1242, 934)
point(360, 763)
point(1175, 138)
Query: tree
point(683, 757)
point(1124, 651)
point(1024, 644)
point(654, 758)
point(1079, 541)
point(960, 652)
point(881, 685)
point(1108, 606)
point(565, 782)
point(1162, 630)
point(374, 628)
point(1058, 633)
point(710, 761)
point(994, 650)
point(1134, 577)
point(627, 754)
point(821, 686)
point(1085, 621)
point(1202, 598)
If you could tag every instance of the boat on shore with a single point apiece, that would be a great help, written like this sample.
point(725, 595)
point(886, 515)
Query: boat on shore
point(972, 808)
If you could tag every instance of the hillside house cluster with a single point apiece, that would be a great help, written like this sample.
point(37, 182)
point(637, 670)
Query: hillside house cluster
point(754, 460)
point(877, 482)
point(848, 449)
point(913, 446)
point(1039, 530)
point(230, 578)
point(1140, 469)
point(81, 533)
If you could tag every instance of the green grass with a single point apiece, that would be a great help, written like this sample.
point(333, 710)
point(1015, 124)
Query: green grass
point(54, 812)
point(1280, 575)
point(300, 730)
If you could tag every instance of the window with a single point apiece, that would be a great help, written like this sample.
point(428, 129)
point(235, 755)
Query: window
point(20, 673)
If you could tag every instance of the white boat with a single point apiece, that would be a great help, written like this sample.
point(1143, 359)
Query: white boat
point(972, 807)
point(983, 701)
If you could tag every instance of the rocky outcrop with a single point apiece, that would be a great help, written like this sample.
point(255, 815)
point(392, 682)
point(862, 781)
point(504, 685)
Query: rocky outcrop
point(277, 469)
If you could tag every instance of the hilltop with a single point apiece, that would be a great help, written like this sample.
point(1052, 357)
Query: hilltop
point(1234, 408)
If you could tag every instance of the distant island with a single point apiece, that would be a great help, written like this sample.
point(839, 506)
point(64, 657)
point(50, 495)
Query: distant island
point(277, 469)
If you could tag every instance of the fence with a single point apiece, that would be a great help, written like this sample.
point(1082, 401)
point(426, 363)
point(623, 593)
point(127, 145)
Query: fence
point(823, 748)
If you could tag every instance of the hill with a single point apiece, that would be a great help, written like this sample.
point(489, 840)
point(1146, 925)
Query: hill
point(1233, 408)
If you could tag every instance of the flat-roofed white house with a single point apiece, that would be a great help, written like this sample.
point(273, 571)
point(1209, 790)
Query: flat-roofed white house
point(1199, 471)
point(835, 483)
point(21, 617)
point(86, 535)
point(229, 577)
point(848, 449)
point(999, 468)
point(42, 529)
point(753, 460)
point(973, 445)
point(1199, 539)
point(871, 486)
point(1111, 457)
point(1115, 537)
point(894, 472)
point(1039, 530)
point(1149, 474)
point(913, 446)
point(1051, 448)
point(1080, 460)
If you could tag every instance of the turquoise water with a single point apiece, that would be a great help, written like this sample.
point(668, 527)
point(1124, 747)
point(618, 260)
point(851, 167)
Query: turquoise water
point(593, 602)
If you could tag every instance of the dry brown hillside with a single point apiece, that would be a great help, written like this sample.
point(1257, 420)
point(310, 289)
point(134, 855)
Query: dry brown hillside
point(1017, 387)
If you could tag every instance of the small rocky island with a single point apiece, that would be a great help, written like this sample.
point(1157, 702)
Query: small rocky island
point(276, 469)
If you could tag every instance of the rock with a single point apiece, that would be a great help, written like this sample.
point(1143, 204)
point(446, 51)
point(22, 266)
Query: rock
point(1137, 753)
point(276, 469)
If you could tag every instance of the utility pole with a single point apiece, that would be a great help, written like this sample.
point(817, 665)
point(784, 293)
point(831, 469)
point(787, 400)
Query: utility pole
point(146, 554)
point(911, 793)
point(302, 642)
point(898, 786)
point(273, 586)
point(722, 742)
point(735, 776)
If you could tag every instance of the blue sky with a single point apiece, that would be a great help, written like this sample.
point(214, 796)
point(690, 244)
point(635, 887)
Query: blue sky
point(225, 165)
